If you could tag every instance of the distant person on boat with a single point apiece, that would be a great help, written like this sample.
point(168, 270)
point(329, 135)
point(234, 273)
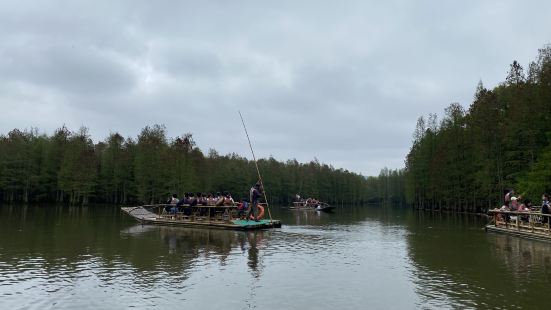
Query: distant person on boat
point(312, 202)
point(242, 208)
point(544, 199)
point(525, 206)
point(181, 202)
point(507, 208)
point(254, 195)
point(228, 200)
point(194, 199)
point(219, 200)
point(201, 199)
point(545, 208)
point(508, 195)
point(210, 200)
point(298, 198)
point(174, 199)
point(514, 204)
point(186, 203)
point(173, 202)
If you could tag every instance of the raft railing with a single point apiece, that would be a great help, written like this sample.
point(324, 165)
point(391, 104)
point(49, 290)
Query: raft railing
point(217, 213)
point(522, 221)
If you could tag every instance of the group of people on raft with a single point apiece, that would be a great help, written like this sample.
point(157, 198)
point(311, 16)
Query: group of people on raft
point(518, 204)
point(307, 201)
point(247, 208)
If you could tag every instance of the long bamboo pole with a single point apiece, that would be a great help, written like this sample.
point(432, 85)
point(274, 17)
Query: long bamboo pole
point(257, 170)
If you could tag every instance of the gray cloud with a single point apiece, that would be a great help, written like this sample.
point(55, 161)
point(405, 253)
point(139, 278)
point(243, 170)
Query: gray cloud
point(68, 69)
point(341, 82)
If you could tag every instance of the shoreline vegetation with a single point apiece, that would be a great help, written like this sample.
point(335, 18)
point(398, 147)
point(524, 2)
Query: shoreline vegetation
point(68, 167)
point(466, 161)
point(463, 163)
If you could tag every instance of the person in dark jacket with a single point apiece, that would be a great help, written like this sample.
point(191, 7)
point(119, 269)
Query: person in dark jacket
point(545, 208)
point(254, 195)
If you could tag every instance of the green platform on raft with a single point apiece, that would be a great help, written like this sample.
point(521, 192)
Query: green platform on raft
point(252, 223)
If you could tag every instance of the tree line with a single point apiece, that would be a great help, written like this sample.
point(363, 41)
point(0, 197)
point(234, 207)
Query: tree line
point(68, 167)
point(467, 160)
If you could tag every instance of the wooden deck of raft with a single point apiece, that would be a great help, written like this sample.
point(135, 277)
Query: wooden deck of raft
point(145, 216)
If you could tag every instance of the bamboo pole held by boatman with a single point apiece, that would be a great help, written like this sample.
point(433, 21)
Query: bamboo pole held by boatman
point(257, 170)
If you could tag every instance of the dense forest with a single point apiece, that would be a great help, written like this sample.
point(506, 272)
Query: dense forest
point(467, 160)
point(69, 167)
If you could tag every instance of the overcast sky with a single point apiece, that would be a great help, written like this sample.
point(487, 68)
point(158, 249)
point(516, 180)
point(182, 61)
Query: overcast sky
point(340, 81)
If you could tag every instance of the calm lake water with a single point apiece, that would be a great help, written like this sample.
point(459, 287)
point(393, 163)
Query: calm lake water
point(359, 257)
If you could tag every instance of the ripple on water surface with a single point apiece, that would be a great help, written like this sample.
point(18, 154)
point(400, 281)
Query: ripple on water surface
point(364, 258)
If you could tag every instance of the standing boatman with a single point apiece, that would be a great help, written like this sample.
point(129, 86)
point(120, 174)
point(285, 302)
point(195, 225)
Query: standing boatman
point(254, 193)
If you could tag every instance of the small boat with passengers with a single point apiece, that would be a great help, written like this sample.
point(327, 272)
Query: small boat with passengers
point(528, 224)
point(220, 217)
point(312, 205)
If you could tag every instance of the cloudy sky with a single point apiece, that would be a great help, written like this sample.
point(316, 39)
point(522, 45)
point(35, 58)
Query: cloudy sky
point(340, 81)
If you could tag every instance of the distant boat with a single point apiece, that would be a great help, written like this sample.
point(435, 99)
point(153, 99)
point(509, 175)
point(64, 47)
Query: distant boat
point(221, 217)
point(312, 206)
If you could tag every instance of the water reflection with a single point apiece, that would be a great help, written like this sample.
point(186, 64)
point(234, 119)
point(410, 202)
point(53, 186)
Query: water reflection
point(524, 259)
point(457, 263)
point(53, 255)
point(89, 258)
point(193, 244)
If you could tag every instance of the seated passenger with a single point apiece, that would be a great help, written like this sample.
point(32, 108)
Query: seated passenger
point(506, 208)
point(242, 208)
point(219, 200)
point(545, 209)
point(192, 200)
point(509, 194)
point(202, 199)
point(228, 200)
point(210, 200)
point(525, 207)
point(173, 201)
point(513, 206)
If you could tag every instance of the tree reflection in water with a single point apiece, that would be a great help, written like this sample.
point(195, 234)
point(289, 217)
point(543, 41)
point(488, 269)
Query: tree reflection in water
point(457, 262)
point(186, 245)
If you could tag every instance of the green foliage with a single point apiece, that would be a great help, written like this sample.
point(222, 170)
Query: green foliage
point(69, 167)
point(538, 179)
point(471, 157)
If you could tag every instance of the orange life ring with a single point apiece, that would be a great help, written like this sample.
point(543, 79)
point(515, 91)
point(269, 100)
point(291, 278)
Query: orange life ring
point(260, 215)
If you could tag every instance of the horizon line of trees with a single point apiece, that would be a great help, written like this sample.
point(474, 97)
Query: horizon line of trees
point(466, 161)
point(68, 167)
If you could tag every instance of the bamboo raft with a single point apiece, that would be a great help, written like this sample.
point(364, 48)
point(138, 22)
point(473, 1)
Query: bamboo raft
point(319, 206)
point(219, 220)
point(530, 225)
